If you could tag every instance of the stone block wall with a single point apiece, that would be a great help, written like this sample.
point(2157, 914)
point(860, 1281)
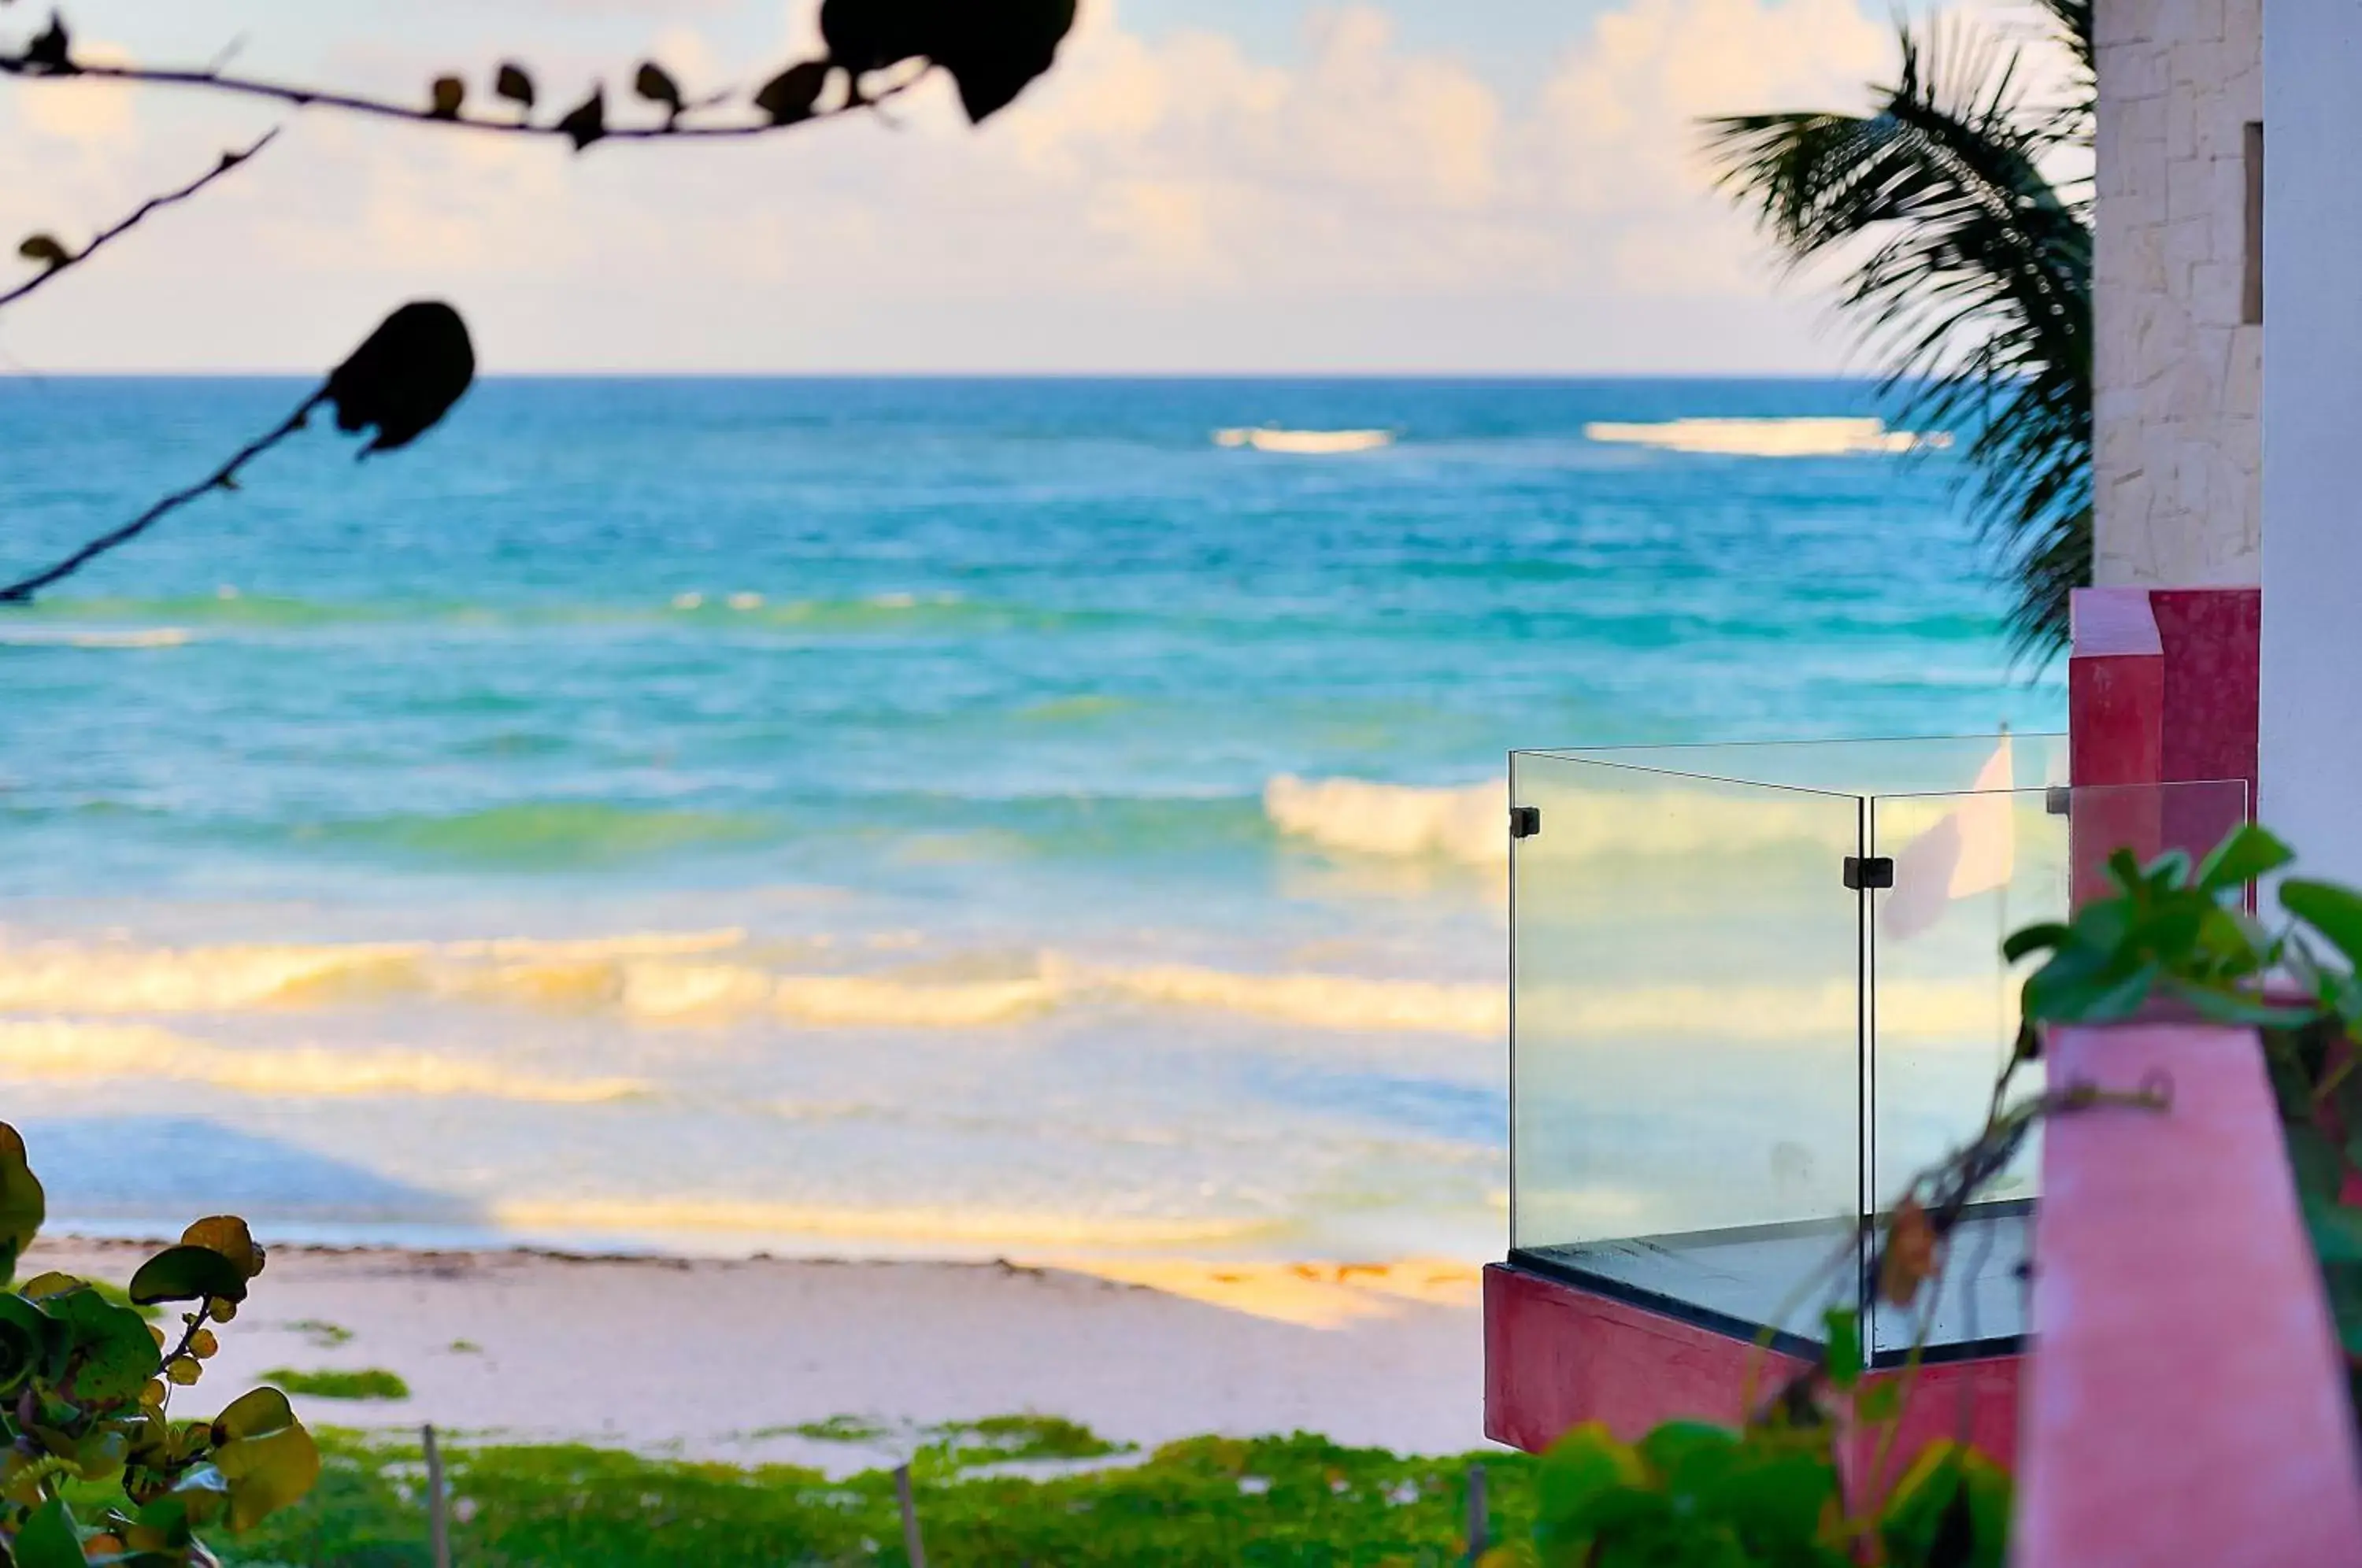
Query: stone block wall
point(2179, 372)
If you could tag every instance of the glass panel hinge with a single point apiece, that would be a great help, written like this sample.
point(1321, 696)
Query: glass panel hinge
point(1525, 822)
point(1863, 872)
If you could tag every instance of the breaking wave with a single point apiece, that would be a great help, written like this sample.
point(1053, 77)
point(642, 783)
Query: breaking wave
point(1305, 443)
point(1468, 824)
point(1769, 438)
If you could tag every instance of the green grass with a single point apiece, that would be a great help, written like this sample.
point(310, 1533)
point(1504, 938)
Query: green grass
point(1300, 1502)
point(370, 1383)
point(322, 1333)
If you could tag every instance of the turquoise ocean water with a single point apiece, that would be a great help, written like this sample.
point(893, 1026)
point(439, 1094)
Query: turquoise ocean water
point(874, 816)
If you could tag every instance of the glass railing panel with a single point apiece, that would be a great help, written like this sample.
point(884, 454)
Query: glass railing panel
point(1969, 869)
point(1915, 766)
point(1687, 1098)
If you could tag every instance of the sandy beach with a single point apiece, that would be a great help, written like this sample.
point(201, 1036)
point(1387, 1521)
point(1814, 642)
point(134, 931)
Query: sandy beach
point(713, 1359)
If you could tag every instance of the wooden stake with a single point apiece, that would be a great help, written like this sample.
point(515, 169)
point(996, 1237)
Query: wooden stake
point(912, 1547)
point(438, 1522)
point(1480, 1514)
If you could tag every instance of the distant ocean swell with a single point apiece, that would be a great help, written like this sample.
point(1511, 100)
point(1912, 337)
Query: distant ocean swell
point(1464, 825)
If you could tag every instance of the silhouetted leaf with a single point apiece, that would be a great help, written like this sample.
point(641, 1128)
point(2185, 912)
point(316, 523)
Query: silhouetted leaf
point(994, 50)
point(790, 96)
point(869, 35)
point(448, 94)
point(187, 1274)
point(403, 378)
point(513, 85)
point(45, 249)
point(51, 53)
point(656, 86)
point(587, 121)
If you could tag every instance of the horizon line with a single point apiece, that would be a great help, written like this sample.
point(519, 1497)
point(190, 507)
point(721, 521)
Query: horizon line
point(20, 374)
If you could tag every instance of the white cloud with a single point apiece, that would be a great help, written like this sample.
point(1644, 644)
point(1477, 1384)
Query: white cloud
point(1158, 203)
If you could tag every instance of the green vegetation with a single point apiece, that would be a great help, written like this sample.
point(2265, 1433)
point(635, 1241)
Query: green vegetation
point(1970, 272)
point(2179, 935)
point(1215, 1502)
point(92, 1467)
point(368, 1383)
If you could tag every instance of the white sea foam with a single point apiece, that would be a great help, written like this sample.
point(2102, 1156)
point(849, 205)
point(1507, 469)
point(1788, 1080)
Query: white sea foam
point(111, 978)
point(1468, 823)
point(58, 1049)
point(1767, 437)
point(1305, 443)
point(1629, 812)
point(139, 637)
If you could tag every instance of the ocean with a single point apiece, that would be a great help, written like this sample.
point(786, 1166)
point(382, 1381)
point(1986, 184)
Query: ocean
point(1033, 818)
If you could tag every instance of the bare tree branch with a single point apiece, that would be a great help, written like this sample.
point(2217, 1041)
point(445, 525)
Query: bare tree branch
point(32, 63)
point(230, 160)
point(223, 478)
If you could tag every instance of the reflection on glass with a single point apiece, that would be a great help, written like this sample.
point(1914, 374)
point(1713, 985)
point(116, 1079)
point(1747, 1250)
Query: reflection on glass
point(1687, 991)
point(1725, 1058)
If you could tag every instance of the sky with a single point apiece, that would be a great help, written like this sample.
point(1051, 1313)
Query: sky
point(1199, 186)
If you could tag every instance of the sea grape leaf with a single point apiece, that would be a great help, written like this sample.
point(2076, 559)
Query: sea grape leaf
point(266, 1472)
point(31, 1343)
point(405, 375)
point(113, 1355)
point(23, 1205)
point(227, 1234)
point(188, 1274)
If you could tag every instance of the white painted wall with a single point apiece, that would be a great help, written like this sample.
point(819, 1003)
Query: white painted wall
point(2177, 480)
point(2312, 761)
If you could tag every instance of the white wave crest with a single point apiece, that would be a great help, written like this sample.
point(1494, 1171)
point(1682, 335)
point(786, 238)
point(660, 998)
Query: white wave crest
point(142, 637)
point(1767, 437)
point(1468, 824)
point(660, 980)
point(1305, 443)
point(60, 1049)
point(1327, 1001)
point(111, 978)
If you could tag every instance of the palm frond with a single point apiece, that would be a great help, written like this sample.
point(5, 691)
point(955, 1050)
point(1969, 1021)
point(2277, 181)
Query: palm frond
point(1975, 288)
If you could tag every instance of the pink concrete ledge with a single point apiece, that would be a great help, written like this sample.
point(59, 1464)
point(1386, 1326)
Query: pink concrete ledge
point(2185, 1403)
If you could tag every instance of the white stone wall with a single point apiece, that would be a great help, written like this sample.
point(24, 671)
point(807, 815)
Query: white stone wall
point(2312, 713)
point(2177, 473)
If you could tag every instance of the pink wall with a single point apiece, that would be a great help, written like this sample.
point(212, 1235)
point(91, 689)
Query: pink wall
point(2185, 1403)
point(1556, 1356)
